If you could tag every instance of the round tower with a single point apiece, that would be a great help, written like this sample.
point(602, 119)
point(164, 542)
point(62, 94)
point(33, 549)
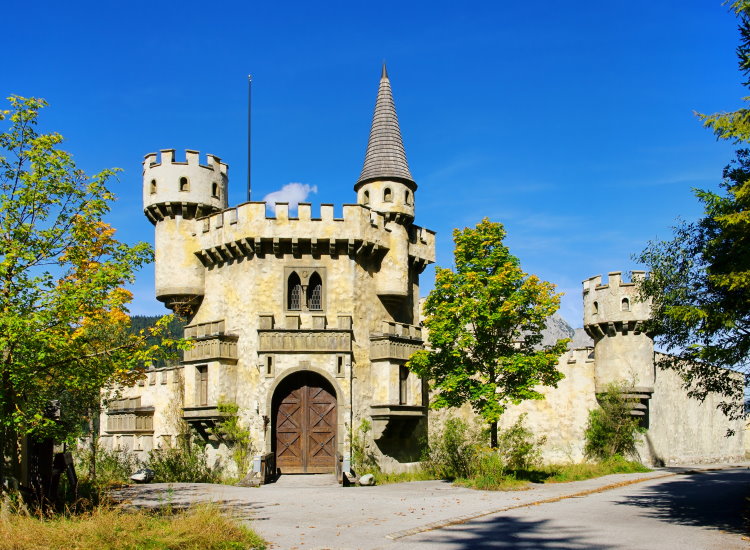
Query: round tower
point(174, 194)
point(386, 186)
point(615, 319)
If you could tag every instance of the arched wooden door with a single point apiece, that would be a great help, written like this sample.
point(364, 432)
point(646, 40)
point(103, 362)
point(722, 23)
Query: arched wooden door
point(304, 422)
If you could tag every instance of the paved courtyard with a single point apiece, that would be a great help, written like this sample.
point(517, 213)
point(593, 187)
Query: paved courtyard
point(668, 508)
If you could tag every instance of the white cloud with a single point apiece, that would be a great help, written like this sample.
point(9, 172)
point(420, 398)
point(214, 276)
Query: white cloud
point(293, 193)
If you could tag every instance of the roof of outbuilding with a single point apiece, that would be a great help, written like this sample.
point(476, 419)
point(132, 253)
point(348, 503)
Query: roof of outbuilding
point(385, 158)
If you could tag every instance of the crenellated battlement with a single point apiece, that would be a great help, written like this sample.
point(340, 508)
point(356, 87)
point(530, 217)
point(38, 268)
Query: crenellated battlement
point(183, 188)
point(614, 280)
point(614, 303)
point(192, 158)
point(249, 230)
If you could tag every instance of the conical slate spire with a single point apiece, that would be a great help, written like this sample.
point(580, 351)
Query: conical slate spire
point(385, 158)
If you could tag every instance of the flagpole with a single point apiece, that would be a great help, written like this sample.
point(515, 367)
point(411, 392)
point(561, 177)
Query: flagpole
point(249, 117)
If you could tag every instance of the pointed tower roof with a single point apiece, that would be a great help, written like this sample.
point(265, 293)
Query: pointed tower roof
point(385, 158)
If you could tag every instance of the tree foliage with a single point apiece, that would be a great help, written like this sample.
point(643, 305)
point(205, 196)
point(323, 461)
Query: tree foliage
point(735, 125)
point(64, 329)
point(700, 280)
point(484, 323)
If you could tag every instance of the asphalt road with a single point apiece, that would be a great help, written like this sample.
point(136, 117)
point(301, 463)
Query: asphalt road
point(665, 509)
point(698, 511)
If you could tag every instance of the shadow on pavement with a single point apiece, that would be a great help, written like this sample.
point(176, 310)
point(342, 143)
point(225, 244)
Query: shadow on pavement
point(508, 532)
point(180, 496)
point(717, 500)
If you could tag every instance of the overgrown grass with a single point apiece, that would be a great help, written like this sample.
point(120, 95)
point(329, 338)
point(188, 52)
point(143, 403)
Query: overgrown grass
point(490, 482)
point(202, 527)
point(458, 453)
point(563, 473)
point(514, 480)
point(186, 462)
point(382, 478)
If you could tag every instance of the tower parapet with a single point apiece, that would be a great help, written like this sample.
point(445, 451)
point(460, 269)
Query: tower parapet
point(615, 319)
point(174, 194)
point(189, 189)
point(614, 302)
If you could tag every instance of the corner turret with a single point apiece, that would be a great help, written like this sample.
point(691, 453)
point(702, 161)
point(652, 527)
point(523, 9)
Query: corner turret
point(174, 194)
point(189, 189)
point(615, 318)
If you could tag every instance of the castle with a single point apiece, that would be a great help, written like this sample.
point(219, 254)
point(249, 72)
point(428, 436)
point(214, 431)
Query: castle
point(304, 323)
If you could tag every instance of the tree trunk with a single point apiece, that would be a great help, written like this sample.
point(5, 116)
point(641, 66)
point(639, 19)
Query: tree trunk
point(2, 459)
point(92, 448)
point(493, 434)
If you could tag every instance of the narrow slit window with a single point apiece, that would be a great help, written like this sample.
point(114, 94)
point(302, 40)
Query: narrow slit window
point(269, 365)
point(339, 365)
point(403, 376)
point(407, 198)
point(596, 308)
point(315, 293)
point(366, 197)
point(184, 185)
point(294, 292)
point(215, 190)
point(153, 187)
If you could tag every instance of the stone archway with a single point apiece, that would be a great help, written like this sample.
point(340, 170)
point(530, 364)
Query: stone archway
point(304, 413)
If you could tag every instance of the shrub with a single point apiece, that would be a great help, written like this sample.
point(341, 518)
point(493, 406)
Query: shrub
point(452, 451)
point(236, 437)
point(112, 466)
point(611, 430)
point(185, 462)
point(517, 447)
point(456, 452)
point(363, 459)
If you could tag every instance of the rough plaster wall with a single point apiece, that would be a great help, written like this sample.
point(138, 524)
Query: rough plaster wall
point(684, 430)
point(176, 269)
point(561, 416)
point(625, 357)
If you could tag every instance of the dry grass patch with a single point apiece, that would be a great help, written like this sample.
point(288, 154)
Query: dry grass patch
point(201, 527)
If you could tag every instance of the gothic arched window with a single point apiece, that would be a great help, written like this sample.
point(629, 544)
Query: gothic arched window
point(315, 293)
point(294, 292)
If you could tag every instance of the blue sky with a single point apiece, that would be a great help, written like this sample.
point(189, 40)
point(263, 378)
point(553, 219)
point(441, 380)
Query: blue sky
point(570, 122)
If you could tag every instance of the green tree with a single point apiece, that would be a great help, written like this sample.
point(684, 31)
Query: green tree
point(63, 323)
point(700, 280)
point(484, 324)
